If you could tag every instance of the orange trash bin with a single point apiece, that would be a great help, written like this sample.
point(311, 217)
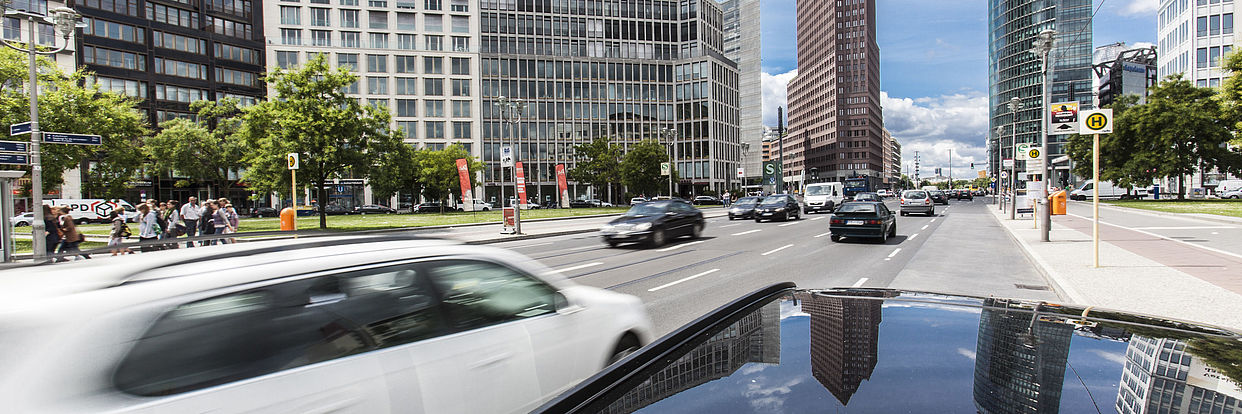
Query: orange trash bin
point(1057, 200)
point(287, 217)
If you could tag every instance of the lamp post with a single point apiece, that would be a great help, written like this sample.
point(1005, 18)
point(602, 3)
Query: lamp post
point(65, 21)
point(670, 135)
point(511, 111)
point(1043, 47)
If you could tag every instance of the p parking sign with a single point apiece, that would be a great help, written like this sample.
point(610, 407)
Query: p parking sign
point(1099, 121)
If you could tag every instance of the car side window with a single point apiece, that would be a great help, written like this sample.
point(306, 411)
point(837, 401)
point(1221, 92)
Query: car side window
point(477, 294)
point(260, 331)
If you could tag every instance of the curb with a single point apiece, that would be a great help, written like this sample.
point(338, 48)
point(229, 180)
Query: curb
point(1044, 269)
point(1153, 213)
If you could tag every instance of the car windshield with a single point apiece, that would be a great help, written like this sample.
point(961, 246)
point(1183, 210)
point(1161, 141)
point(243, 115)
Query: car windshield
point(647, 209)
point(817, 190)
point(856, 208)
point(914, 194)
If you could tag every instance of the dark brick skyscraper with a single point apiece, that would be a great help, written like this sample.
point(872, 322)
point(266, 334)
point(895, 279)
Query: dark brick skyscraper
point(835, 123)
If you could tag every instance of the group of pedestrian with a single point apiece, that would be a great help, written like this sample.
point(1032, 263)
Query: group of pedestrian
point(62, 234)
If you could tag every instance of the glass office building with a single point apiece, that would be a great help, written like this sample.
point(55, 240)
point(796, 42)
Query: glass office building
point(1014, 71)
point(622, 70)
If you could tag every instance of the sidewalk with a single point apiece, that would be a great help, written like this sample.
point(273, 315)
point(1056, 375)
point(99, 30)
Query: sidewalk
point(1138, 272)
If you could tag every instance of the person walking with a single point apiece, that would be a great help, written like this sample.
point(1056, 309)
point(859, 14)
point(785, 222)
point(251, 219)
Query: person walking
point(120, 232)
point(190, 214)
point(148, 226)
point(70, 236)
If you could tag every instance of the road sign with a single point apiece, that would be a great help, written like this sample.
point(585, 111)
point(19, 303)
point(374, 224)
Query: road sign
point(506, 156)
point(294, 160)
point(1099, 121)
point(20, 129)
point(1034, 153)
point(77, 139)
point(14, 146)
point(15, 159)
point(666, 168)
point(1007, 163)
point(1063, 117)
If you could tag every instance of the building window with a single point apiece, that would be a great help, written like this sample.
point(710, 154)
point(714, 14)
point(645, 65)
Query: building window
point(433, 86)
point(461, 130)
point(290, 36)
point(434, 42)
point(321, 17)
point(461, 87)
point(409, 129)
point(377, 63)
point(433, 22)
point(460, 24)
point(433, 65)
point(461, 44)
point(461, 66)
point(461, 109)
point(435, 108)
point(321, 37)
point(348, 61)
point(379, 40)
point(406, 41)
point(377, 85)
point(349, 18)
point(407, 86)
point(286, 60)
point(407, 107)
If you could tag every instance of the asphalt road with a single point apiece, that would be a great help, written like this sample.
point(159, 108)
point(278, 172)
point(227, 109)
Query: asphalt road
point(960, 250)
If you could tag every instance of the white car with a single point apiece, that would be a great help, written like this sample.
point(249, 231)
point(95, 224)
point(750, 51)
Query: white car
point(322, 324)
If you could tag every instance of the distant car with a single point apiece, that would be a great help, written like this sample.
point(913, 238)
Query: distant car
point(637, 200)
point(938, 197)
point(782, 206)
point(654, 223)
point(917, 201)
point(867, 197)
point(707, 201)
point(343, 324)
point(744, 208)
point(261, 212)
point(374, 209)
point(869, 219)
point(1235, 194)
point(22, 220)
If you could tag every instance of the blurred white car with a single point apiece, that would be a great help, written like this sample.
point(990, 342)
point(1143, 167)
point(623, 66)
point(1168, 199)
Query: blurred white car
point(328, 324)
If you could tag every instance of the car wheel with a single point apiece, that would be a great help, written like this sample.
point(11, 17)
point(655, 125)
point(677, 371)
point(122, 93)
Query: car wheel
point(834, 238)
point(657, 238)
point(626, 346)
point(697, 231)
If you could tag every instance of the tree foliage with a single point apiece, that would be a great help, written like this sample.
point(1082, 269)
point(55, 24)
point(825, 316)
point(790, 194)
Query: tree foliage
point(640, 168)
point(335, 135)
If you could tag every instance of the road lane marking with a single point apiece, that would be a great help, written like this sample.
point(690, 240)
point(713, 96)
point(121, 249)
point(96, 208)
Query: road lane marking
point(1231, 254)
point(777, 249)
point(731, 225)
point(531, 245)
point(788, 224)
point(671, 248)
point(859, 283)
point(822, 235)
point(572, 268)
point(682, 280)
point(817, 218)
point(912, 236)
point(894, 253)
point(925, 227)
point(747, 232)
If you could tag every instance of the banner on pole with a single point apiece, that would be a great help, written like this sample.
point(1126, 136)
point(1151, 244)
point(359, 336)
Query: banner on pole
point(520, 173)
point(463, 175)
point(562, 184)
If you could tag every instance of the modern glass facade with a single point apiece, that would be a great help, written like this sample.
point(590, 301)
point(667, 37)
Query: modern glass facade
point(616, 69)
point(1014, 71)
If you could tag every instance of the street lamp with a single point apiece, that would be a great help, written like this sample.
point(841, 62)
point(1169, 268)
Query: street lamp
point(65, 21)
point(1042, 47)
point(670, 135)
point(511, 111)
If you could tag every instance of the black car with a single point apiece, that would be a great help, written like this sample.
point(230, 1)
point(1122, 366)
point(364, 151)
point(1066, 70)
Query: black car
point(778, 206)
point(938, 197)
point(654, 223)
point(374, 209)
point(867, 197)
point(865, 219)
point(859, 350)
point(261, 212)
point(744, 208)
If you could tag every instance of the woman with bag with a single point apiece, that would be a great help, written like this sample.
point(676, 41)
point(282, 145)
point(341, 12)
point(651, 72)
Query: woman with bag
point(70, 236)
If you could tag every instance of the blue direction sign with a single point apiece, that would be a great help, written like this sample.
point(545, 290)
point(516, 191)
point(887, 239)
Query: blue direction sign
point(19, 129)
point(15, 159)
point(14, 146)
point(79, 139)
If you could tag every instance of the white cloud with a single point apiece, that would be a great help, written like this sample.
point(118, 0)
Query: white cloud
point(774, 95)
point(1138, 7)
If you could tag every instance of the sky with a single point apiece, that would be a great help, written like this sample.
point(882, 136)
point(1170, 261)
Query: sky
point(933, 70)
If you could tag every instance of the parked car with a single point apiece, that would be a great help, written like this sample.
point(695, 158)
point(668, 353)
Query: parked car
point(782, 206)
point(917, 201)
point(22, 220)
point(331, 324)
point(261, 212)
point(867, 197)
point(707, 201)
point(866, 219)
point(938, 197)
point(744, 208)
point(374, 209)
point(654, 223)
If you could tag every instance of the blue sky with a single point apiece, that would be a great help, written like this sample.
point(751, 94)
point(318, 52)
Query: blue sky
point(933, 68)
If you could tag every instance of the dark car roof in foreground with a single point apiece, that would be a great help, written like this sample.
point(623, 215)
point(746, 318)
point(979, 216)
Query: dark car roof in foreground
point(881, 350)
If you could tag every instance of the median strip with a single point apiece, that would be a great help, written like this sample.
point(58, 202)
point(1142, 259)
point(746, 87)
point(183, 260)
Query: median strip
point(747, 232)
point(777, 249)
point(671, 248)
point(682, 280)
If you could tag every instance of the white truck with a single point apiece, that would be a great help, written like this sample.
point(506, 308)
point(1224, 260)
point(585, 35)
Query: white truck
point(824, 197)
point(92, 210)
point(1107, 191)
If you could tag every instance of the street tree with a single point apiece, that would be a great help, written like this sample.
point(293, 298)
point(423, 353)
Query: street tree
point(640, 168)
point(70, 103)
point(206, 150)
point(598, 164)
point(310, 114)
point(438, 172)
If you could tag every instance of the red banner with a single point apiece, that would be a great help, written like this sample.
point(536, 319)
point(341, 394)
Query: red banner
point(520, 173)
point(463, 173)
point(560, 182)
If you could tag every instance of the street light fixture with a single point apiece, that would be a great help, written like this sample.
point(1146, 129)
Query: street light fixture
point(66, 21)
point(1042, 47)
point(511, 111)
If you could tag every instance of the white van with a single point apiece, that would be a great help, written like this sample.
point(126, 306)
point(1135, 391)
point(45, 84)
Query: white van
point(824, 196)
point(92, 210)
point(1107, 190)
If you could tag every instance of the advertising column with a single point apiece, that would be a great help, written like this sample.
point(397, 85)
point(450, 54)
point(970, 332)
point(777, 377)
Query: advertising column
point(562, 184)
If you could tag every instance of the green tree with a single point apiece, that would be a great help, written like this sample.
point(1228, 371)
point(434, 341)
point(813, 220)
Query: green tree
point(640, 168)
point(598, 163)
point(335, 135)
point(69, 103)
point(438, 172)
point(202, 151)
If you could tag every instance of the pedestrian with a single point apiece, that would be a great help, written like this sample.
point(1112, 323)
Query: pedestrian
point(51, 227)
point(207, 222)
point(190, 215)
point(120, 232)
point(71, 238)
point(148, 225)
